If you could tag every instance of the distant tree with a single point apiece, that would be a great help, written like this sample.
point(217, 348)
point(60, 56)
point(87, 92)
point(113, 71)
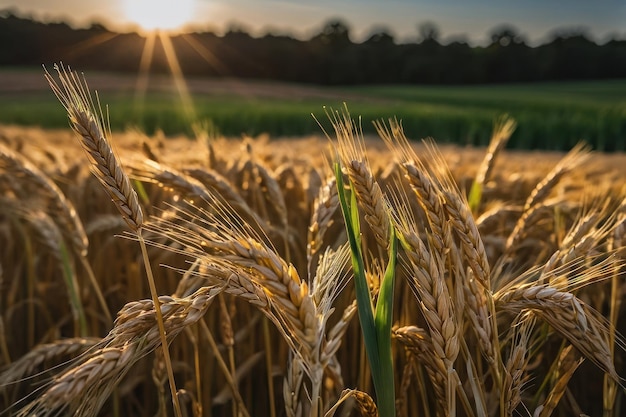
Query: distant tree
point(97, 27)
point(378, 58)
point(329, 57)
point(336, 32)
point(508, 58)
point(575, 56)
point(334, 56)
point(569, 32)
point(505, 35)
point(422, 62)
point(428, 32)
point(615, 54)
point(380, 35)
point(237, 29)
point(9, 11)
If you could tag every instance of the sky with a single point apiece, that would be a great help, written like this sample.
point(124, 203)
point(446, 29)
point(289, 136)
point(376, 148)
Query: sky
point(456, 19)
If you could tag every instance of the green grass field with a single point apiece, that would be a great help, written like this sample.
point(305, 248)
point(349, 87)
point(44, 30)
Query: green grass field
point(549, 115)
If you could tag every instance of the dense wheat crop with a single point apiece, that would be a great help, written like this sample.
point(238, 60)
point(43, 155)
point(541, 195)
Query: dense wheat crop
point(508, 303)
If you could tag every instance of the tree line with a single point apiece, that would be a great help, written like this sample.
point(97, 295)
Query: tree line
point(329, 57)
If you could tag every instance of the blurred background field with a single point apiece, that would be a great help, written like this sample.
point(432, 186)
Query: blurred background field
point(550, 115)
point(560, 73)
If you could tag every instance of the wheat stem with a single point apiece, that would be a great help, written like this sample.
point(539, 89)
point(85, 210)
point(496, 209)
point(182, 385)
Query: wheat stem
point(224, 367)
point(268, 365)
point(159, 316)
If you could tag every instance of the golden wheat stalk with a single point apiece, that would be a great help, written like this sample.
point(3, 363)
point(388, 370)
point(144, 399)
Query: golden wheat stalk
point(517, 362)
point(75, 97)
point(43, 354)
point(325, 207)
point(89, 123)
point(53, 198)
point(82, 389)
point(567, 314)
point(502, 130)
point(569, 360)
point(577, 156)
point(351, 150)
point(57, 206)
point(251, 269)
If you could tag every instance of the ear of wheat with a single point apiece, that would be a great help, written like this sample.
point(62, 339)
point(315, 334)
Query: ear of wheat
point(89, 123)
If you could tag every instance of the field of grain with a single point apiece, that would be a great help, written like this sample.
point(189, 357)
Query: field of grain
point(550, 116)
point(493, 279)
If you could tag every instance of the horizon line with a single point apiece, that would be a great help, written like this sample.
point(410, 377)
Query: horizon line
point(195, 27)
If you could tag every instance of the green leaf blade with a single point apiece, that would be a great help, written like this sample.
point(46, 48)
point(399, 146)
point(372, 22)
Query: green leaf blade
point(363, 296)
point(383, 320)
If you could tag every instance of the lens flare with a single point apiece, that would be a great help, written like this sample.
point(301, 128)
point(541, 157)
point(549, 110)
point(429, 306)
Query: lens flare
point(151, 15)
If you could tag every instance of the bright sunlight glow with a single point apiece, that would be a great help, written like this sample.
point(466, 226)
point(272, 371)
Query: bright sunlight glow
point(159, 14)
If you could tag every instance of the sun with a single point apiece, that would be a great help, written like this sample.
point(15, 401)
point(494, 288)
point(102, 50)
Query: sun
point(166, 15)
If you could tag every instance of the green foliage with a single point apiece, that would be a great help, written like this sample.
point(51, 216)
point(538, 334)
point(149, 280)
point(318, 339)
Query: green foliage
point(72, 287)
point(375, 321)
point(383, 320)
point(475, 195)
point(550, 116)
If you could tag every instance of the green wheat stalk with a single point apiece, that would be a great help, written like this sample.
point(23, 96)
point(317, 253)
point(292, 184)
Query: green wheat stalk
point(375, 321)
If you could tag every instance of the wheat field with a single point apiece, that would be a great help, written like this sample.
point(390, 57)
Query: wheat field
point(506, 295)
